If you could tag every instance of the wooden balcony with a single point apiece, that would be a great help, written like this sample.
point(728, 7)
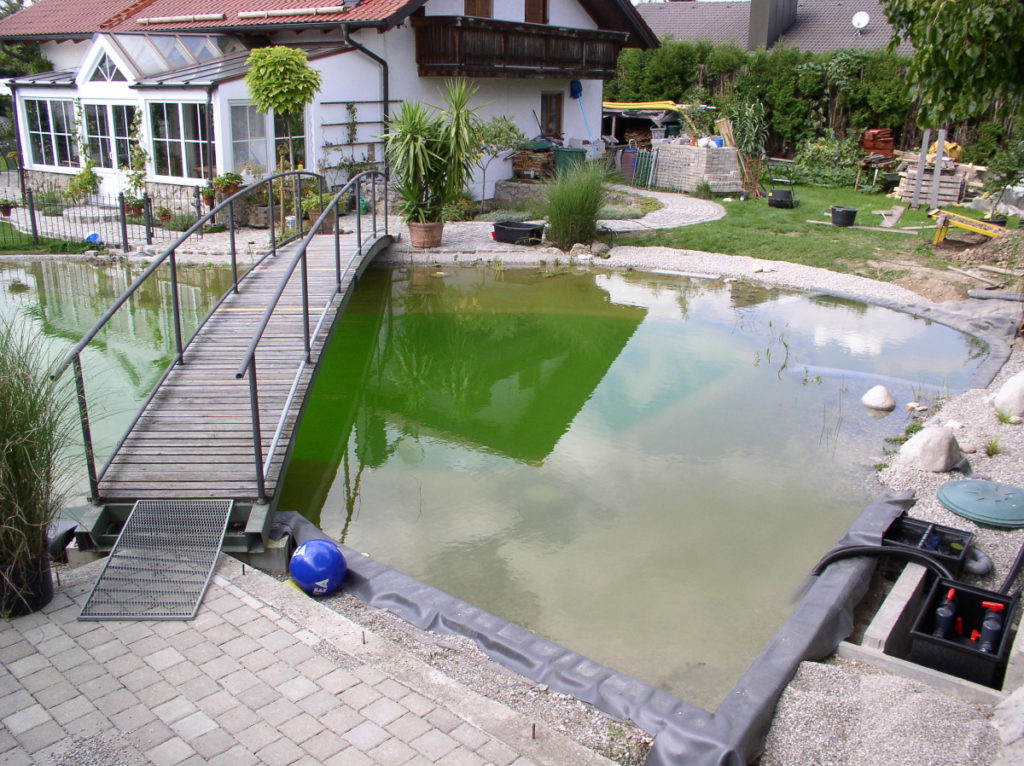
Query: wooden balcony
point(460, 45)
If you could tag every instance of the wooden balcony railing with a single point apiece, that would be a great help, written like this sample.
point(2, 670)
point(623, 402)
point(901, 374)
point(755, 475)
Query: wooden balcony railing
point(459, 45)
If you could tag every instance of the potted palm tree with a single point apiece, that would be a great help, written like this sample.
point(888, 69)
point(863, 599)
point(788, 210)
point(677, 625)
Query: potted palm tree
point(431, 153)
point(35, 430)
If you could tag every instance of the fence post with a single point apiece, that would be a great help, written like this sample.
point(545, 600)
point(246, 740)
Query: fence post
point(273, 234)
point(231, 230)
point(177, 308)
point(305, 308)
point(32, 216)
point(124, 221)
point(147, 211)
point(257, 435)
point(83, 412)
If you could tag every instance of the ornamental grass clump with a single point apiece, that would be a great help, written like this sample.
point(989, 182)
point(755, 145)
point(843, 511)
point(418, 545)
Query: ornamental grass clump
point(574, 199)
point(36, 428)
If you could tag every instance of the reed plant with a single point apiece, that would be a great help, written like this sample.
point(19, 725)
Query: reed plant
point(574, 198)
point(36, 428)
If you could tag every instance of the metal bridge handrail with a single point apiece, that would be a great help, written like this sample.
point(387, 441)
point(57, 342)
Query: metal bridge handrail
point(74, 356)
point(248, 364)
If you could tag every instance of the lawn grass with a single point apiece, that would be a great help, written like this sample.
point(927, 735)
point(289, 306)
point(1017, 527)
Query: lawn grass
point(15, 242)
point(754, 229)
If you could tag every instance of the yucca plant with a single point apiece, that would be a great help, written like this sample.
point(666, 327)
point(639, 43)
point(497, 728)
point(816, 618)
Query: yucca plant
point(431, 153)
point(36, 426)
point(574, 198)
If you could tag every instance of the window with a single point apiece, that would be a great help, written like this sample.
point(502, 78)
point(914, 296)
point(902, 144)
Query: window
point(106, 71)
point(298, 125)
point(551, 114)
point(537, 11)
point(179, 140)
point(107, 132)
point(51, 132)
point(248, 138)
point(480, 8)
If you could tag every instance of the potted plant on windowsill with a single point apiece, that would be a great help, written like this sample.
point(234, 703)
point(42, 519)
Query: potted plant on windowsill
point(431, 154)
point(209, 195)
point(6, 206)
point(35, 430)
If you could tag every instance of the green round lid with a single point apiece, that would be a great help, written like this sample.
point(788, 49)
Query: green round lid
point(986, 502)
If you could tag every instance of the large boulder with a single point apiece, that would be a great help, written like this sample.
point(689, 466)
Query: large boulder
point(879, 398)
point(1010, 399)
point(932, 449)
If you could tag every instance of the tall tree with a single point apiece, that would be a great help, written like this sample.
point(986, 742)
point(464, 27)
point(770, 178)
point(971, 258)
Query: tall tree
point(968, 54)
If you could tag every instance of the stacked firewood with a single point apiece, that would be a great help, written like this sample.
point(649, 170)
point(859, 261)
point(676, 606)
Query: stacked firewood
point(530, 164)
point(641, 137)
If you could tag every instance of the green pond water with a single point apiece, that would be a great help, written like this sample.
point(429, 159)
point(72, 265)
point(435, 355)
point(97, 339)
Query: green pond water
point(59, 301)
point(642, 468)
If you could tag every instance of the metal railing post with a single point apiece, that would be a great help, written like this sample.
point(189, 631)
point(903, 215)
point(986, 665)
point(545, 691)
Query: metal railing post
point(83, 412)
point(234, 255)
point(305, 307)
point(359, 215)
point(257, 437)
point(337, 247)
point(176, 307)
point(124, 221)
point(373, 203)
point(32, 216)
point(273, 234)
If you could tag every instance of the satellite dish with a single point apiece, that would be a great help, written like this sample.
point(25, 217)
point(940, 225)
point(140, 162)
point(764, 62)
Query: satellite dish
point(860, 20)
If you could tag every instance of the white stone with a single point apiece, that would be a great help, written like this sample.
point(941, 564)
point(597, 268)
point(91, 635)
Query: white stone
point(579, 249)
point(1010, 398)
point(932, 449)
point(878, 398)
point(956, 425)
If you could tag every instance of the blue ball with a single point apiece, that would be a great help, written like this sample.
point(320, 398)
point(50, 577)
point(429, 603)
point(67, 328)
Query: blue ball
point(318, 567)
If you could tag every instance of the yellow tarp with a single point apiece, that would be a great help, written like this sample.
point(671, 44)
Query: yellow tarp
point(643, 106)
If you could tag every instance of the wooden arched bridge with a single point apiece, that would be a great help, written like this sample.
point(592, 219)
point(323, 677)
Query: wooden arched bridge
point(213, 437)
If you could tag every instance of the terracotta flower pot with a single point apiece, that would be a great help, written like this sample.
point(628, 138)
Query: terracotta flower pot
point(425, 234)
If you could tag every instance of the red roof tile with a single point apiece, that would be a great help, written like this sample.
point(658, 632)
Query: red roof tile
point(59, 18)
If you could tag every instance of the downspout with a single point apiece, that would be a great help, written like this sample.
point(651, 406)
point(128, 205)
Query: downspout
point(17, 136)
point(384, 87)
point(209, 132)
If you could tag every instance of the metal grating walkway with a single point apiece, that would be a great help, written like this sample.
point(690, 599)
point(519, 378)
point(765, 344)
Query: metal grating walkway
point(162, 561)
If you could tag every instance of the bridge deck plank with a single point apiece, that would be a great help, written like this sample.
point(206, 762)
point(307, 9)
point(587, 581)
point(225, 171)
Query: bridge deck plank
point(195, 438)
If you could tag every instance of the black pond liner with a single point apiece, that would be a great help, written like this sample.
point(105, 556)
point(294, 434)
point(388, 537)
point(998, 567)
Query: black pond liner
point(733, 734)
point(683, 733)
point(519, 232)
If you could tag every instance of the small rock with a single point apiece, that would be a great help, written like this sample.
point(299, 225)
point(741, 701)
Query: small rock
point(879, 398)
point(921, 408)
point(954, 424)
point(91, 253)
point(599, 249)
point(1015, 420)
point(579, 249)
point(968, 448)
point(585, 260)
point(730, 280)
point(932, 449)
point(912, 406)
point(1010, 399)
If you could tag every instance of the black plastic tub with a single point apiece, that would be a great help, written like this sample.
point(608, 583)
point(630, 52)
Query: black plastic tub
point(956, 654)
point(781, 198)
point(945, 544)
point(518, 232)
point(843, 216)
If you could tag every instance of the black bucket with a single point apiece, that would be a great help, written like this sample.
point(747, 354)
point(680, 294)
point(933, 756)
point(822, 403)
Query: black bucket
point(843, 216)
point(519, 233)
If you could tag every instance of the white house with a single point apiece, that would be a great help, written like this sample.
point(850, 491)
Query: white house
point(179, 66)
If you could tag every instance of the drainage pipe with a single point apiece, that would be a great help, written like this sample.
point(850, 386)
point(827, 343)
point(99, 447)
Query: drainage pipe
point(920, 557)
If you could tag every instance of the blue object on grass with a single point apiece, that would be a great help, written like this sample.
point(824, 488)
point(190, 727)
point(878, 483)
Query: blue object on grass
point(318, 567)
point(93, 238)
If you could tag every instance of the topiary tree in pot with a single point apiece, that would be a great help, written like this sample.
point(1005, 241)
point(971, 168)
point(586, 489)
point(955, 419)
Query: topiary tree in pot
point(36, 426)
point(431, 153)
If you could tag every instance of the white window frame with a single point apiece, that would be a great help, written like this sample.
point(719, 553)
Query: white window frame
point(117, 146)
point(53, 138)
point(267, 140)
point(181, 142)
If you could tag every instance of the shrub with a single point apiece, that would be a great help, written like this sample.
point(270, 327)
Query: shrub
point(574, 198)
point(180, 222)
point(828, 161)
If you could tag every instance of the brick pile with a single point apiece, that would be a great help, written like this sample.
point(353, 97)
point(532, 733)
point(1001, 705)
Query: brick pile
point(681, 167)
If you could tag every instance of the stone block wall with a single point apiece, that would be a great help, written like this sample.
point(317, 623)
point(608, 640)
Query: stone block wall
point(681, 167)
